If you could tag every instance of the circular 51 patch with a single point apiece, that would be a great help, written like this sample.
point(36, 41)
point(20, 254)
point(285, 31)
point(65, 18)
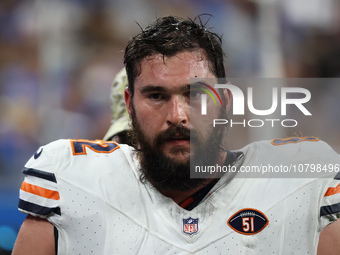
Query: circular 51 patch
point(248, 221)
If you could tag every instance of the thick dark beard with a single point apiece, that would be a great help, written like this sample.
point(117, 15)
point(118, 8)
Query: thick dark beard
point(165, 173)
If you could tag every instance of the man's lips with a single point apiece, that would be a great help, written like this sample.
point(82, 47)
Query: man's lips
point(178, 141)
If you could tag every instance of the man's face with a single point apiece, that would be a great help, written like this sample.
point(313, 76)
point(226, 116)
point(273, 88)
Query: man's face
point(160, 108)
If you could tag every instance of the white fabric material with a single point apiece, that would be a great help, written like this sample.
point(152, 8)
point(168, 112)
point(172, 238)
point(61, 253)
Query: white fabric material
point(105, 209)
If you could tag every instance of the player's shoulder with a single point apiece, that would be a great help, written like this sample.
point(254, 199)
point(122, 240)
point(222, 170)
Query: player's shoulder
point(65, 152)
point(79, 146)
point(303, 145)
point(292, 150)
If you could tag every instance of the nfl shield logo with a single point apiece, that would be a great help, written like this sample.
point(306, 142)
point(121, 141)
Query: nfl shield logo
point(190, 226)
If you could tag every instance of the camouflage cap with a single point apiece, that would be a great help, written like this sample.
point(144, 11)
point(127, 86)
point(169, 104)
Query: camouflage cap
point(120, 118)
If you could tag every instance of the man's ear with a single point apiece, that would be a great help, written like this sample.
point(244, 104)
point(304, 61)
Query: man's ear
point(228, 98)
point(128, 98)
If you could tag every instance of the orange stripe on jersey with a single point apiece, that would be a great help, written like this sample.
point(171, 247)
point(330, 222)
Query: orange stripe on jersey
point(36, 190)
point(332, 191)
point(187, 202)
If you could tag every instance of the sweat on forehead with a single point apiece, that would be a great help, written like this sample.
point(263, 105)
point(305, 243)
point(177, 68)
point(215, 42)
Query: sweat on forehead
point(173, 71)
point(187, 59)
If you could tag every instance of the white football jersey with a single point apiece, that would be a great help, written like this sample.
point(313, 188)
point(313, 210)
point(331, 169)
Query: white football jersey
point(91, 192)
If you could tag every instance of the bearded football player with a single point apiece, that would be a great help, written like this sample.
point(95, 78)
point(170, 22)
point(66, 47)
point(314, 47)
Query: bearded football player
point(99, 197)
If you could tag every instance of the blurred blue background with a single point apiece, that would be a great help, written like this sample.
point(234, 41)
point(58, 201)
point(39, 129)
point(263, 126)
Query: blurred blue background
point(58, 58)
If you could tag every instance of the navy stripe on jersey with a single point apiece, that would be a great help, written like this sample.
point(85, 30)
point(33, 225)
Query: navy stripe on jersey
point(37, 209)
point(329, 209)
point(40, 174)
point(56, 236)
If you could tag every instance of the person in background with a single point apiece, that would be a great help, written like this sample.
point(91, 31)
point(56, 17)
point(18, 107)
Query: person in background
point(120, 122)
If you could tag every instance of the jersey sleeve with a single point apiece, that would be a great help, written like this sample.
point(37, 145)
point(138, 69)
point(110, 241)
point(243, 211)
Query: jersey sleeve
point(325, 163)
point(39, 194)
point(330, 202)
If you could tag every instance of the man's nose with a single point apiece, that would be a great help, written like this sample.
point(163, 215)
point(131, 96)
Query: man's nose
point(178, 111)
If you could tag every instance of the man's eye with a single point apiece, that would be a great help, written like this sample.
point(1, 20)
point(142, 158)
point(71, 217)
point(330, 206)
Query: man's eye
point(195, 93)
point(156, 96)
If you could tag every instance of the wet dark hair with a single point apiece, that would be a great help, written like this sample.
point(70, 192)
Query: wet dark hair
point(170, 36)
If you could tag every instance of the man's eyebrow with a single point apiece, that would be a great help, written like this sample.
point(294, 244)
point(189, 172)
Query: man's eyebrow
point(197, 85)
point(151, 88)
point(194, 85)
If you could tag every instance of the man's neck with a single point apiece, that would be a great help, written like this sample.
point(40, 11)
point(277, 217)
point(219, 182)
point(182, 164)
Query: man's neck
point(179, 196)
